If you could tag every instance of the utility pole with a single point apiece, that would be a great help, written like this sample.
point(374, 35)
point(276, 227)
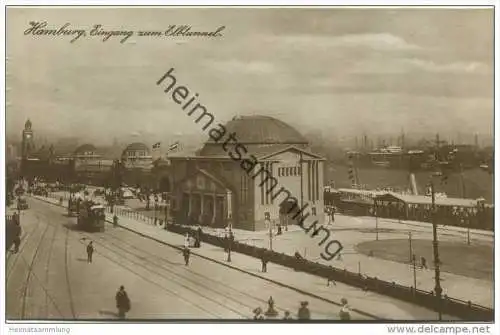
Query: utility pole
point(438, 290)
point(270, 236)
point(411, 250)
point(466, 218)
point(414, 260)
point(375, 211)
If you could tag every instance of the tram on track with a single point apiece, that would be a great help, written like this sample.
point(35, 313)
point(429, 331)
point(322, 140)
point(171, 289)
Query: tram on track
point(91, 217)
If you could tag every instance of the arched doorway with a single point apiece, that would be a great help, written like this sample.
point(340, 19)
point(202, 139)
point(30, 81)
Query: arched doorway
point(164, 185)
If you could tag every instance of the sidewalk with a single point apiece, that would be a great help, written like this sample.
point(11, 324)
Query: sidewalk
point(374, 304)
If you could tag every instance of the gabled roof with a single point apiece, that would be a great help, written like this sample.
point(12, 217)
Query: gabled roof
point(217, 180)
point(290, 148)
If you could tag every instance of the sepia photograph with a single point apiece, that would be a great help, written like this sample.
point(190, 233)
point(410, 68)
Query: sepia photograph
point(250, 164)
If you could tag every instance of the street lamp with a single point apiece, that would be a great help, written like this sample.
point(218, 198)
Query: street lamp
point(229, 238)
point(467, 220)
point(437, 279)
point(375, 211)
point(414, 260)
point(229, 245)
point(411, 250)
point(267, 219)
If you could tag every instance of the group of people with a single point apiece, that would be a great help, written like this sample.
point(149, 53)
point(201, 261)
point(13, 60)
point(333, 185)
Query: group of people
point(303, 312)
point(193, 241)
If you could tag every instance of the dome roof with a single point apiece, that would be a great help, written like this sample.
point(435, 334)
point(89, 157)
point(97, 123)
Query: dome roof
point(260, 129)
point(136, 146)
point(259, 134)
point(85, 148)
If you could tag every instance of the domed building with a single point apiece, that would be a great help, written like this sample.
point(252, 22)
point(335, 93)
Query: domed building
point(138, 163)
point(137, 156)
point(89, 165)
point(86, 152)
point(251, 169)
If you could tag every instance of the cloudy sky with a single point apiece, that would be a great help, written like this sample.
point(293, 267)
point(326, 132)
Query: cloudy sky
point(335, 71)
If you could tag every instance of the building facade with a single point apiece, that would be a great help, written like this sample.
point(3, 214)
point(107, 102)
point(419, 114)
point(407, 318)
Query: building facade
point(212, 188)
point(138, 164)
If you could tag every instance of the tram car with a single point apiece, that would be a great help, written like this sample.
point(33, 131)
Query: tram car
point(41, 191)
point(74, 206)
point(92, 217)
point(22, 204)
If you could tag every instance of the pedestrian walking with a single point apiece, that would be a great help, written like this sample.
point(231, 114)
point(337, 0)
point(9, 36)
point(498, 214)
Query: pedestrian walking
point(423, 263)
point(186, 240)
point(122, 302)
point(304, 313)
point(186, 252)
point(115, 221)
point(90, 251)
point(345, 311)
point(264, 261)
point(16, 233)
point(287, 316)
point(199, 233)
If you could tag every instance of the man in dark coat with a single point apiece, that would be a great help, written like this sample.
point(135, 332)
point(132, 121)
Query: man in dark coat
point(16, 234)
point(304, 313)
point(199, 232)
point(264, 261)
point(90, 251)
point(122, 302)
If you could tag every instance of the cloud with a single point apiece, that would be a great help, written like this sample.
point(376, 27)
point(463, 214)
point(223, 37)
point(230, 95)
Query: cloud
point(380, 42)
point(236, 66)
point(457, 67)
point(385, 65)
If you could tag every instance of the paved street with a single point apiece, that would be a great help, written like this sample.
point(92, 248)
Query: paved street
point(50, 277)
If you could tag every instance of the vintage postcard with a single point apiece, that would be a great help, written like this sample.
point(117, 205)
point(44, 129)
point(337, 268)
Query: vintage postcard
point(250, 164)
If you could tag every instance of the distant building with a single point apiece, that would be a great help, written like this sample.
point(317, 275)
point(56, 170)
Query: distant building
point(138, 163)
point(89, 165)
point(42, 162)
point(137, 156)
point(28, 141)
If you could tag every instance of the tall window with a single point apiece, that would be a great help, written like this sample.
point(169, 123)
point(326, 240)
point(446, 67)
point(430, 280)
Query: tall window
point(244, 188)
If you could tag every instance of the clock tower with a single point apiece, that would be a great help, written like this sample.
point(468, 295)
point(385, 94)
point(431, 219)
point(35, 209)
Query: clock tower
point(28, 143)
